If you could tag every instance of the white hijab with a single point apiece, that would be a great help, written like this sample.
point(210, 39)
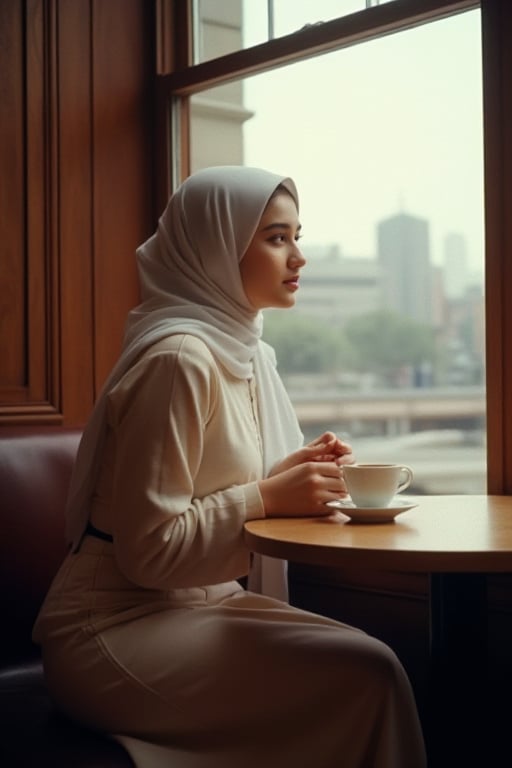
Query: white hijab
point(190, 283)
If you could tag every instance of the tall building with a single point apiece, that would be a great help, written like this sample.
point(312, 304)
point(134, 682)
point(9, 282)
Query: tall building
point(403, 252)
point(337, 287)
point(455, 265)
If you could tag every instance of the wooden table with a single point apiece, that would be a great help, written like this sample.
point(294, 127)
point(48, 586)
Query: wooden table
point(442, 534)
point(457, 540)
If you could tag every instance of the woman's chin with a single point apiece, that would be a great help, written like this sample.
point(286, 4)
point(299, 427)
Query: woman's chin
point(287, 301)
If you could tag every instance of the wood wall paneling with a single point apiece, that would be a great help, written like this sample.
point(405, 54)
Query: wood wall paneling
point(41, 310)
point(72, 172)
point(122, 123)
point(76, 198)
point(12, 268)
point(23, 318)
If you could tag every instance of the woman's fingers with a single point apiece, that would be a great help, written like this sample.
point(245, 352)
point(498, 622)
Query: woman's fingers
point(330, 446)
point(302, 490)
point(331, 483)
point(325, 448)
point(347, 458)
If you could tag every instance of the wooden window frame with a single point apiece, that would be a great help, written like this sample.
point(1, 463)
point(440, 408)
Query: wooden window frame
point(178, 80)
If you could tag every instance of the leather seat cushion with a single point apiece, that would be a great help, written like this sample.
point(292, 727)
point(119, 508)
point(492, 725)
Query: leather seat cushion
point(34, 734)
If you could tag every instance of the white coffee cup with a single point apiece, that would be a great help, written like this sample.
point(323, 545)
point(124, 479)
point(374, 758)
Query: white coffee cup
point(375, 485)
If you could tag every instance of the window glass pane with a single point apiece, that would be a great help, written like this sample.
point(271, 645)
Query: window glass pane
point(224, 26)
point(384, 139)
point(292, 15)
point(218, 28)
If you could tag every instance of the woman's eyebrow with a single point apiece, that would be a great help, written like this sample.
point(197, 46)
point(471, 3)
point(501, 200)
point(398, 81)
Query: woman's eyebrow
point(280, 225)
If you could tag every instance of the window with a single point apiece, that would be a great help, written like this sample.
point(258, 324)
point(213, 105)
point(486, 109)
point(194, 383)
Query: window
point(392, 138)
point(224, 26)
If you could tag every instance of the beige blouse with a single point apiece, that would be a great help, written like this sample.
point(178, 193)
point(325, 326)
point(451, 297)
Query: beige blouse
point(181, 465)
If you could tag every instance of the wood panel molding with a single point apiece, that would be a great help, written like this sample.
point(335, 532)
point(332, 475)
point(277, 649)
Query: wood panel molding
point(77, 197)
point(29, 314)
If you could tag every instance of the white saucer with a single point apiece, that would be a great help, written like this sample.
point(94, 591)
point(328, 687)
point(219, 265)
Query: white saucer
point(372, 514)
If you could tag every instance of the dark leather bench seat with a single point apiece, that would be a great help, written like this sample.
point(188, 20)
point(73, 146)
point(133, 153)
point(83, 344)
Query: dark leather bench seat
point(35, 469)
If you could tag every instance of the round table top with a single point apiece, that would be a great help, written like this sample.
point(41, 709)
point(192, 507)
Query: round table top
point(442, 533)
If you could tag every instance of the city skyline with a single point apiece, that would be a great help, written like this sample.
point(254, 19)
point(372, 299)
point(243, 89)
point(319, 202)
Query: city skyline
point(456, 269)
point(394, 124)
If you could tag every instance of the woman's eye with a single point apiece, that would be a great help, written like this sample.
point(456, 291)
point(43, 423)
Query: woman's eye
point(283, 238)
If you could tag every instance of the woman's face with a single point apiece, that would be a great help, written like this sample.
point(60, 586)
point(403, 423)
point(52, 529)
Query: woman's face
point(270, 267)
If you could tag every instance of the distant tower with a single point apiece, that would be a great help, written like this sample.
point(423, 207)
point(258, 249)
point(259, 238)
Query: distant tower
point(455, 265)
point(403, 250)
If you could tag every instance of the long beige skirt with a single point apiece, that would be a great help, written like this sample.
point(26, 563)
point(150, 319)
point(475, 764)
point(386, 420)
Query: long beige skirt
point(220, 677)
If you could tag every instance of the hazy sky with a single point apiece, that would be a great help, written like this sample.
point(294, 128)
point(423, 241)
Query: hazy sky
point(393, 124)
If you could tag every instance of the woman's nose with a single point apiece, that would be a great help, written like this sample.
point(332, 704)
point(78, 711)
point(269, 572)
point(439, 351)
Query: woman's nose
point(297, 257)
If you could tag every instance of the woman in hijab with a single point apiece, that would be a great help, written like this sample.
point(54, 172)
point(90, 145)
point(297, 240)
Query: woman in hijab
point(147, 633)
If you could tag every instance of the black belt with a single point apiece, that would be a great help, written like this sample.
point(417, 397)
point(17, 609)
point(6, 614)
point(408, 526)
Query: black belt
point(92, 531)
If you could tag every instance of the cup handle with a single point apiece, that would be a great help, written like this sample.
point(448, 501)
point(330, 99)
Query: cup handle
point(405, 483)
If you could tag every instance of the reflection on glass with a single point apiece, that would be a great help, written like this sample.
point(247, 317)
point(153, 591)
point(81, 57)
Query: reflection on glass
point(384, 140)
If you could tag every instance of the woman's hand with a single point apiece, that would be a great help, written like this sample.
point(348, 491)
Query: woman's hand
point(302, 490)
point(327, 447)
point(302, 484)
point(335, 449)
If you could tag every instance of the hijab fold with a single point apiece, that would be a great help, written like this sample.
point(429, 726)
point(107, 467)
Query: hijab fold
point(190, 283)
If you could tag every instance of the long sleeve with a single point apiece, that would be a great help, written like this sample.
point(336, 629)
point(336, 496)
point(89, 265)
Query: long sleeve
point(185, 463)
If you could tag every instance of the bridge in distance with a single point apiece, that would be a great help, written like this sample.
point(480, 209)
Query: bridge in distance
point(398, 408)
point(439, 432)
